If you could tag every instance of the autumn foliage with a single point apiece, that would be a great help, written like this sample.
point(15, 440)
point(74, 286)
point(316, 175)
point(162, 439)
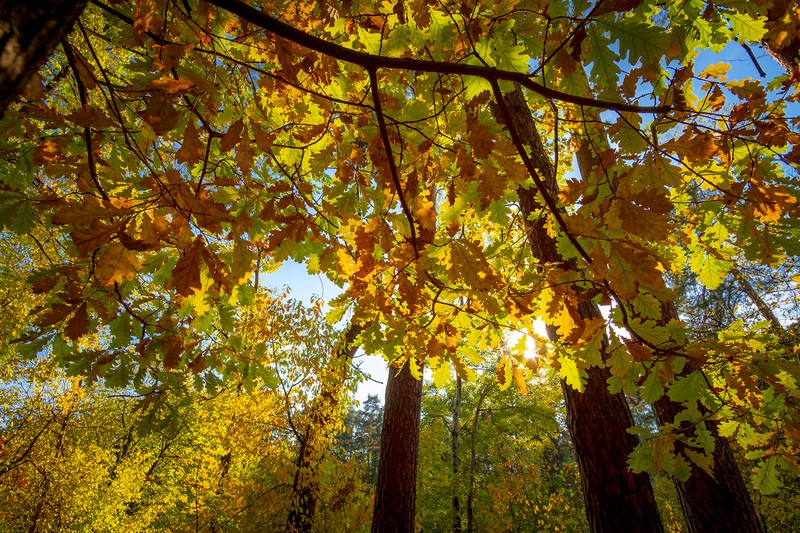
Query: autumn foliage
point(463, 172)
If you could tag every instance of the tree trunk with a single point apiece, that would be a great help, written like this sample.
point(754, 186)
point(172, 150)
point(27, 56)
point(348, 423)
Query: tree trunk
point(720, 503)
point(395, 492)
point(783, 21)
point(616, 499)
point(473, 462)
point(317, 436)
point(29, 31)
point(456, 462)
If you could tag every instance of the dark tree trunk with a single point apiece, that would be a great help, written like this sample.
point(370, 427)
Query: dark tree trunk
point(707, 505)
point(721, 503)
point(395, 492)
point(616, 499)
point(29, 31)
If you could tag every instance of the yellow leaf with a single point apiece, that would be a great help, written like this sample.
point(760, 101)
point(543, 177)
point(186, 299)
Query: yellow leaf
point(117, 264)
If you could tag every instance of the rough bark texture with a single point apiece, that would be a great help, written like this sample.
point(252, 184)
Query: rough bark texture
point(395, 492)
point(29, 31)
point(721, 503)
point(616, 499)
point(707, 505)
point(782, 40)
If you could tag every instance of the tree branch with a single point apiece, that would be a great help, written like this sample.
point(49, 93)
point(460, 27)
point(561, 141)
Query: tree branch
point(374, 62)
point(376, 99)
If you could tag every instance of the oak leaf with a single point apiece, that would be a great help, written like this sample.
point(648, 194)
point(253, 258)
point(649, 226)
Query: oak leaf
point(186, 274)
point(232, 136)
point(160, 113)
point(192, 149)
point(170, 85)
point(169, 55)
point(78, 325)
point(88, 239)
point(116, 265)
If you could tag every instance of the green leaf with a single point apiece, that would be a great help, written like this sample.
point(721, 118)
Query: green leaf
point(765, 476)
point(638, 41)
point(687, 388)
point(605, 71)
point(745, 27)
point(652, 389)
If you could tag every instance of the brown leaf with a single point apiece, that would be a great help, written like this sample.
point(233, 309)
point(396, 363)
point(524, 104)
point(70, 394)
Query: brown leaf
point(144, 19)
point(618, 6)
point(232, 136)
point(78, 325)
point(170, 85)
point(263, 139)
point(186, 275)
point(89, 239)
point(169, 55)
point(153, 227)
point(159, 113)
point(192, 150)
point(48, 151)
point(172, 348)
point(696, 148)
point(479, 138)
point(639, 352)
point(86, 214)
point(90, 117)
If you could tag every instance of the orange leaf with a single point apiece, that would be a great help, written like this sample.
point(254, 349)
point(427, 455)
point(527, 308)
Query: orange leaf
point(171, 85)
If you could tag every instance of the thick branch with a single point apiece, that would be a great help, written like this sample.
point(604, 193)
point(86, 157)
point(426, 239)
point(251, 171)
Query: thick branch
point(372, 62)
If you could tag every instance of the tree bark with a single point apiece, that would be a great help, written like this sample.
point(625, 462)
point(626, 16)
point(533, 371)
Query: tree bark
point(29, 31)
point(720, 503)
point(783, 20)
point(616, 499)
point(395, 493)
point(723, 504)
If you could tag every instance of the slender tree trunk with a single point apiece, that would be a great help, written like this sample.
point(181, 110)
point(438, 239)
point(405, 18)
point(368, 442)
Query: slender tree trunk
point(761, 305)
point(29, 31)
point(395, 492)
point(616, 499)
point(473, 462)
point(456, 462)
point(317, 436)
